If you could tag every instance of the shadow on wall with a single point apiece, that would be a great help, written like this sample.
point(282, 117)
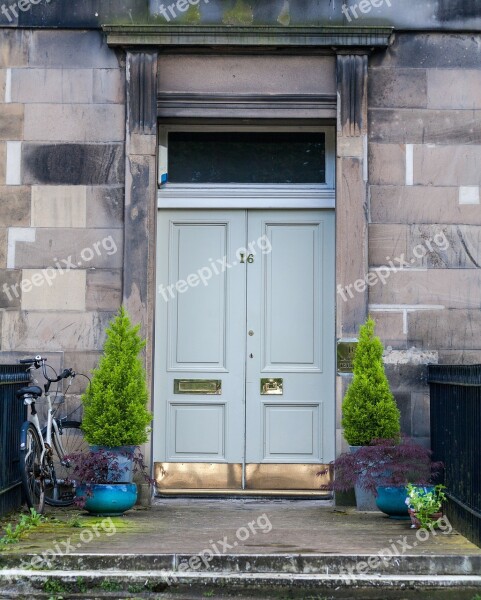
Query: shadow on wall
point(457, 10)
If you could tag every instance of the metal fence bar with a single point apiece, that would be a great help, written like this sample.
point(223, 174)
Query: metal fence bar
point(12, 414)
point(456, 440)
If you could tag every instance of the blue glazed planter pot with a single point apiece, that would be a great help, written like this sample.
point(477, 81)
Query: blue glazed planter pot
point(108, 499)
point(391, 500)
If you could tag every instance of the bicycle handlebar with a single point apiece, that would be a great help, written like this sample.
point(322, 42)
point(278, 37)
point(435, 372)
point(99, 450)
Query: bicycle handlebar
point(32, 361)
point(39, 362)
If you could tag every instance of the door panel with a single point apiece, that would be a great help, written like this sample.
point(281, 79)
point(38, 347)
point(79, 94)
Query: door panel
point(197, 429)
point(291, 431)
point(291, 297)
point(198, 319)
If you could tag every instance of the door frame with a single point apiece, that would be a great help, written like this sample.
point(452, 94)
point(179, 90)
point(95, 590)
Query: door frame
point(243, 197)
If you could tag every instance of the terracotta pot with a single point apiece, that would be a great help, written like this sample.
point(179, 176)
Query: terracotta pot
point(415, 520)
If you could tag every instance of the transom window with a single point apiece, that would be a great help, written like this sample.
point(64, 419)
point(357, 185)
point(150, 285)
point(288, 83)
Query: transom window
point(268, 157)
point(246, 166)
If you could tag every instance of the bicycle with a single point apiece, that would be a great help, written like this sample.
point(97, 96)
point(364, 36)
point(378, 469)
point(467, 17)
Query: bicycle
point(44, 468)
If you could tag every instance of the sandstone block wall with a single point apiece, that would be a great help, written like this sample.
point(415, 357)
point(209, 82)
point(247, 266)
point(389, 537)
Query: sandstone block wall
point(424, 181)
point(62, 165)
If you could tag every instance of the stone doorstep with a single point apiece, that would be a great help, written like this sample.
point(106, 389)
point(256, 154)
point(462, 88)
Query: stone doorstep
point(25, 581)
point(260, 565)
point(244, 576)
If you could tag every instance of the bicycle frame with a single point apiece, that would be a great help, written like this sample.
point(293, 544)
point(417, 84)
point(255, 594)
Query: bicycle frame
point(52, 426)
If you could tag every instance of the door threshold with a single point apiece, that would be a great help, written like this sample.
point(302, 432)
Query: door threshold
point(313, 494)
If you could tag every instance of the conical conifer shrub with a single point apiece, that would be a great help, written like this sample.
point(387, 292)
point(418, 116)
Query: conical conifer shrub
point(115, 404)
point(369, 410)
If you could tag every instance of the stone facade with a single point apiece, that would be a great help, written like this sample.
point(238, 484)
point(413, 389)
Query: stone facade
point(73, 124)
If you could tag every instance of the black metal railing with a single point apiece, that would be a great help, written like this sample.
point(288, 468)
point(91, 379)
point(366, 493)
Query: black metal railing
point(456, 440)
point(12, 414)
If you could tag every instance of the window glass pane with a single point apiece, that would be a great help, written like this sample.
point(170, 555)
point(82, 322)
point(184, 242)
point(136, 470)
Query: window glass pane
point(247, 157)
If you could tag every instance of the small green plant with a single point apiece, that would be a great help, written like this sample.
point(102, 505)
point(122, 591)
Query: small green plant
point(136, 588)
point(34, 519)
point(115, 403)
point(75, 521)
point(81, 585)
point(110, 586)
point(425, 503)
point(208, 594)
point(369, 409)
point(53, 586)
point(25, 524)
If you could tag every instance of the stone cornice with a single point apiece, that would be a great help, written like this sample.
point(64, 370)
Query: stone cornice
point(255, 36)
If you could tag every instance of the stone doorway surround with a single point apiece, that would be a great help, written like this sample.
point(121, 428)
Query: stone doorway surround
point(351, 46)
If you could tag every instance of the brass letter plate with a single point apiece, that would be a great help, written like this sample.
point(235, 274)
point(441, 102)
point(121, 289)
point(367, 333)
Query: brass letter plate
point(345, 355)
point(198, 386)
point(272, 387)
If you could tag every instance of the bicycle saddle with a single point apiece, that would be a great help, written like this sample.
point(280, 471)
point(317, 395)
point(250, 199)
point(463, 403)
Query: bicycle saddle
point(32, 390)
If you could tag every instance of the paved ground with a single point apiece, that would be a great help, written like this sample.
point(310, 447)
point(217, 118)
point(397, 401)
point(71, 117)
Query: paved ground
point(276, 527)
point(289, 549)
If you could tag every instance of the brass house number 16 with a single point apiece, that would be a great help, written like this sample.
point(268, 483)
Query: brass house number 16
point(250, 259)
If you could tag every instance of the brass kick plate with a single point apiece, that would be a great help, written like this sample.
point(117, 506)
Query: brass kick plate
point(222, 478)
point(272, 387)
point(317, 495)
point(197, 476)
point(198, 386)
point(285, 477)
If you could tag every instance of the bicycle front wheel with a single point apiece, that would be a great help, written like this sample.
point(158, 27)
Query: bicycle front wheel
point(32, 470)
point(60, 485)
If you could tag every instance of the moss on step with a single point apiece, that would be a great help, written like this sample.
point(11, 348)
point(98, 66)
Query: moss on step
point(240, 14)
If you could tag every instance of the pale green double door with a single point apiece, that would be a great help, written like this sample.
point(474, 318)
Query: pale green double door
point(244, 353)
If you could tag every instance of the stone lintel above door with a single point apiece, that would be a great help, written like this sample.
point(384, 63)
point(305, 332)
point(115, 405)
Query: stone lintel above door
point(260, 36)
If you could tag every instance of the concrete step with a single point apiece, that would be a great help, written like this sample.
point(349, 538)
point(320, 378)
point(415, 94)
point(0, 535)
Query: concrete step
point(288, 564)
point(16, 583)
point(269, 576)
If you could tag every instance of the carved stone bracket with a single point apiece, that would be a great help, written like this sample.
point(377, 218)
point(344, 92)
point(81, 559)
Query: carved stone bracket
point(352, 93)
point(142, 91)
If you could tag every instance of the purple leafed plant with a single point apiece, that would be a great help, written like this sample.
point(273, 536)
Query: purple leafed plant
point(102, 467)
point(383, 463)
